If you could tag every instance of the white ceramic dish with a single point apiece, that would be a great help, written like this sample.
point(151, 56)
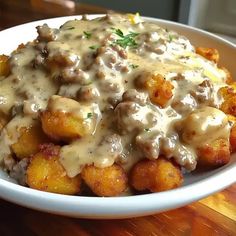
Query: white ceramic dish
point(196, 186)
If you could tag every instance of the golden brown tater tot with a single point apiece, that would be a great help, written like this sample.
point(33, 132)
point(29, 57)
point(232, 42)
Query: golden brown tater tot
point(215, 154)
point(107, 182)
point(62, 126)
point(160, 90)
point(227, 92)
point(29, 141)
point(47, 174)
point(155, 175)
point(211, 54)
point(229, 105)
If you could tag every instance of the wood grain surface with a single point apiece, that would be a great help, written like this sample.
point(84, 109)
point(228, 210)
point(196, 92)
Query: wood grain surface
point(214, 215)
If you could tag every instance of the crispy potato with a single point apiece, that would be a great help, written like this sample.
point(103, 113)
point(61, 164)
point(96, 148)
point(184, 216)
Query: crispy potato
point(160, 90)
point(155, 175)
point(229, 95)
point(211, 54)
point(62, 126)
point(227, 92)
point(4, 65)
point(29, 141)
point(233, 138)
point(106, 182)
point(47, 174)
point(66, 119)
point(229, 105)
point(215, 154)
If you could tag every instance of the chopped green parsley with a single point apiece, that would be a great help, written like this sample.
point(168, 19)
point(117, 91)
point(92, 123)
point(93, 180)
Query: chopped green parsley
point(171, 37)
point(133, 66)
point(89, 115)
point(125, 40)
point(87, 35)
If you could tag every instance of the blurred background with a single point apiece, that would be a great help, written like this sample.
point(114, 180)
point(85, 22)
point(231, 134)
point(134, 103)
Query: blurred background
point(218, 16)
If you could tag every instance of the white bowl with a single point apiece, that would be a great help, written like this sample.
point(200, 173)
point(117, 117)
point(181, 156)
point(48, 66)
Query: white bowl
point(196, 185)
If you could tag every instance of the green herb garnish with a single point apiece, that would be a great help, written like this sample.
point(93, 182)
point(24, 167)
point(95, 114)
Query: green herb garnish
point(133, 66)
point(87, 35)
point(125, 40)
point(171, 37)
point(89, 115)
point(94, 47)
point(118, 32)
point(147, 129)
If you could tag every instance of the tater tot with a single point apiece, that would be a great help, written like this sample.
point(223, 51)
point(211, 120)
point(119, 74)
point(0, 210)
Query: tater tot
point(211, 54)
point(229, 105)
point(160, 90)
point(214, 154)
point(155, 175)
point(29, 141)
point(233, 138)
point(47, 174)
point(227, 92)
point(62, 126)
point(106, 182)
point(229, 95)
point(66, 119)
point(4, 65)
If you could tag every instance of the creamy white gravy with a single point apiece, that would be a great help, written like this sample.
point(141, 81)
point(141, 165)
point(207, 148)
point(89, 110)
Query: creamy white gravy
point(86, 61)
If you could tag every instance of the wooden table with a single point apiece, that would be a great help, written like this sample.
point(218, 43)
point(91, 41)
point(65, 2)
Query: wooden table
point(215, 215)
